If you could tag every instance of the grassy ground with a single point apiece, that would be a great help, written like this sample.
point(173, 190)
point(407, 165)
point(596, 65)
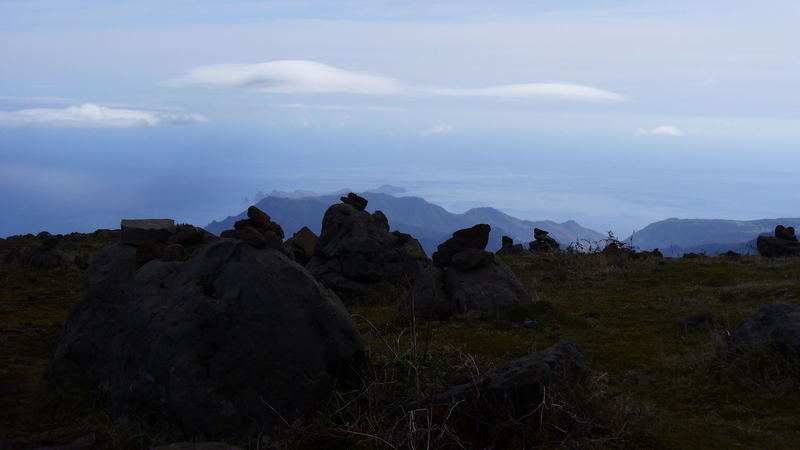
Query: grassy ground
point(654, 381)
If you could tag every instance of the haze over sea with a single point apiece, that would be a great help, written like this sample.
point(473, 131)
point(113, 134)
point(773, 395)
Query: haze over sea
point(614, 114)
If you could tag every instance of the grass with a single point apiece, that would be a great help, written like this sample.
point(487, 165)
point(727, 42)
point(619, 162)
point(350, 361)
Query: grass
point(654, 382)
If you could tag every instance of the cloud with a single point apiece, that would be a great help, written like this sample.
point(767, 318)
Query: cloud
point(90, 115)
point(310, 77)
point(441, 128)
point(663, 129)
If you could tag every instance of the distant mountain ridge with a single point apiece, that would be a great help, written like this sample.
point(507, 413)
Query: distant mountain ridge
point(430, 224)
point(677, 236)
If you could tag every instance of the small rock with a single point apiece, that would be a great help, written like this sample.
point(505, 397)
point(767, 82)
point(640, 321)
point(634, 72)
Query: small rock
point(591, 315)
point(355, 200)
point(530, 324)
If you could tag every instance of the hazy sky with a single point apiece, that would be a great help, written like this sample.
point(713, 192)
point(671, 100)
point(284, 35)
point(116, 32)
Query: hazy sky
point(615, 114)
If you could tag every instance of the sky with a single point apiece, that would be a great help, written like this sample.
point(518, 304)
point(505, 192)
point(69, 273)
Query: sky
point(613, 113)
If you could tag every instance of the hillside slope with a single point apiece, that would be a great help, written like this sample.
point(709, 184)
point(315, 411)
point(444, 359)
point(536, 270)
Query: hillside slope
point(713, 234)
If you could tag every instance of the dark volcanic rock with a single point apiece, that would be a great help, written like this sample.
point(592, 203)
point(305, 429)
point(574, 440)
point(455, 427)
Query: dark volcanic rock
point(137, 231)
point(356, 252)
point(786, 233)
point(783, 244)
point(476, 237)
point(775, 326)
point(510, 392)
point(542, 243)
point(233, 341)
point(356, 201)
point(511, 249)
point(467, 280)
point(302, 244)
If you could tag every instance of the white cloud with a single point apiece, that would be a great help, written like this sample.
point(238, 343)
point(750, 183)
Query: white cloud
point(441, 128)
point(663, 129)
point(90, 115)
point(309, 77)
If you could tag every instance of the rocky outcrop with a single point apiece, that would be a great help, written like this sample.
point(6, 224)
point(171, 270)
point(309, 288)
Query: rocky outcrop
point(510, 249)
point(233, 341)
point(509, 392)
point(775, 327)
point(356, 252)
point(302, 245)
point(542, 243)
point(464, 278)
point(784, 243)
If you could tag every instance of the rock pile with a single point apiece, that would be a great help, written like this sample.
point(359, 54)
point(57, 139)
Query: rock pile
point(510, 249)
point(783, 244)
point(542, 243)
point(464, 278)
point(356, 253)
point(232, 341)
point(259, 231)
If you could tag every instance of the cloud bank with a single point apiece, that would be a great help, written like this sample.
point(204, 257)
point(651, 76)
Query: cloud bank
point(310, 77)
point(663, 129)
point(90, 115)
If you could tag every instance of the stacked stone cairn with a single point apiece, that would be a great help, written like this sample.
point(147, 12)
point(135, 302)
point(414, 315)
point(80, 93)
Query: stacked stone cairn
point(542, 243)
point(464, 278)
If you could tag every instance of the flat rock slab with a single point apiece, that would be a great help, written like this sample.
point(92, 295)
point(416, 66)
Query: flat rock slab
point(136, 231)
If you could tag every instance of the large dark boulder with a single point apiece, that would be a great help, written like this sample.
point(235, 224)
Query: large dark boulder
point(475, 237)
point(783, 244)
point(234, 341)
point(356, 253)
point(775, 327)
point(509, 392)
point(465, 280)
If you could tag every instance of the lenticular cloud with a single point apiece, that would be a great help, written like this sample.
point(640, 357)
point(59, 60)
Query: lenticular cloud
point(90, 115)
point(310, 77)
